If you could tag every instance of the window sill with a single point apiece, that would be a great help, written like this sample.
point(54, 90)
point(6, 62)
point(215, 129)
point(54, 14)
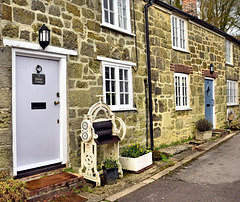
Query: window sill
point(232, 105)
point(117, 29)
point(184, 109)
point(181, 50)
point(229, 64)
point(123, 110)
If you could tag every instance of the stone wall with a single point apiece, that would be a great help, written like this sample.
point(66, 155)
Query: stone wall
point(204, 48)
point(5, 110)
point(76, 24)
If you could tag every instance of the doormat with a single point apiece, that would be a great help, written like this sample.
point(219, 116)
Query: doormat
point(50, 180)
point(71, 198)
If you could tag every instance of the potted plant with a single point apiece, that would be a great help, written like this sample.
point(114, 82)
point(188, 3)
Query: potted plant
point(110, 170)
point(135, 157)
point(204, 128)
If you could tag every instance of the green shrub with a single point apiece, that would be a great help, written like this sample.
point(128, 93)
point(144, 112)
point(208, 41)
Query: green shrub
point(203, 125)
point(134, 151)
point(12, 190)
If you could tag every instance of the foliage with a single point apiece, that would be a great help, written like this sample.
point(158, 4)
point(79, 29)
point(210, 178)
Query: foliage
point(69, 170)
point(164, 158)
point(173, 143)
point(224, 14)
point(12, 190)
point(175, 3)
point(203, 125)
point(110, 163)
point(134, 151)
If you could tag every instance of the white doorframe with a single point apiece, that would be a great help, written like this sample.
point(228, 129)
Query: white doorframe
point(63, 98)
point(209, 78)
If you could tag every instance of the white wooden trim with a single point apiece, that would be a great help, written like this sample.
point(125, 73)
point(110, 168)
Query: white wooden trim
point(118, 106)
point(178, 34)
point(35, 46)
point(181, 75)
point(116, 27)
point(214, 119)
point(122, 62)
point(123, 31)
point(63, 99)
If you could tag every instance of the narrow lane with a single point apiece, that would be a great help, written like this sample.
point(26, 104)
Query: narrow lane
point(214, 177)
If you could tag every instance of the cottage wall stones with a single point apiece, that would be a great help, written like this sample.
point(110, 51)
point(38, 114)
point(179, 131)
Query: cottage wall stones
point(5, 109)
point(76, 25)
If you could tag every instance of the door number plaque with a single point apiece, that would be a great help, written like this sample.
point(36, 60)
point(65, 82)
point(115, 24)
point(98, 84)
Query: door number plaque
point(38, 79)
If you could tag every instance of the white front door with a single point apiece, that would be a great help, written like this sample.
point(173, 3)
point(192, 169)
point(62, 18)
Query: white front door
point(37, 112)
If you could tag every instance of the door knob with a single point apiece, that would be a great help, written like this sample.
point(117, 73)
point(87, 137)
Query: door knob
point(56, 102)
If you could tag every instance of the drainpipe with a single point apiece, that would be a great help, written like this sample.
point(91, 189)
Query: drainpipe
point(150, 3)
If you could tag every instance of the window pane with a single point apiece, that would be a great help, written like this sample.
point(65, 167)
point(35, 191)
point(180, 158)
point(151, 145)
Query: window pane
point(112, 73)
point(121, 99)
point(126, 99)
point(112, 18)
point(106, 16)
point(125, 23)
point(126, 86)
point(107, 86)
point(176, 34)
point(120, 24)
point(111, 5)
point(105, 4)
point(124, 6)
point(113, 99)
point(125, 74)
point(120, 74)
point(121, 86)
point(113, 86)
point(228, 92)
point(107, 72)
point(108, 98)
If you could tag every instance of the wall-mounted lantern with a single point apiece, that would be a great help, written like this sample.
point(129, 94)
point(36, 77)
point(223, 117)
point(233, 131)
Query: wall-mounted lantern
point(44, 36)
point(211, 68)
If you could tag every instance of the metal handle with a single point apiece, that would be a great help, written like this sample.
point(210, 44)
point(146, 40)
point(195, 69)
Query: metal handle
point(56, 102)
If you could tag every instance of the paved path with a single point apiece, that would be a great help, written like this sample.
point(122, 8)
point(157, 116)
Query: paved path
point(215, 176)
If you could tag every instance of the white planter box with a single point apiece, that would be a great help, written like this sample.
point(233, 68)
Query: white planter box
point(136, 164)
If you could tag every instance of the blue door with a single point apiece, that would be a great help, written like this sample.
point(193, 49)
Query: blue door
point(209, 100)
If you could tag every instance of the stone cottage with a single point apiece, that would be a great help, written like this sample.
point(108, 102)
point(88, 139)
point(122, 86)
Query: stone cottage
point(94, 50)
point(183, 49)
point(106, 48)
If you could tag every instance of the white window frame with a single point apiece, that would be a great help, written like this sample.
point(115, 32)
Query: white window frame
point(232, 92)
point(228, 52)
point(179, 35)
point(118, 64)
point(180, 93)
point(116, 13)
